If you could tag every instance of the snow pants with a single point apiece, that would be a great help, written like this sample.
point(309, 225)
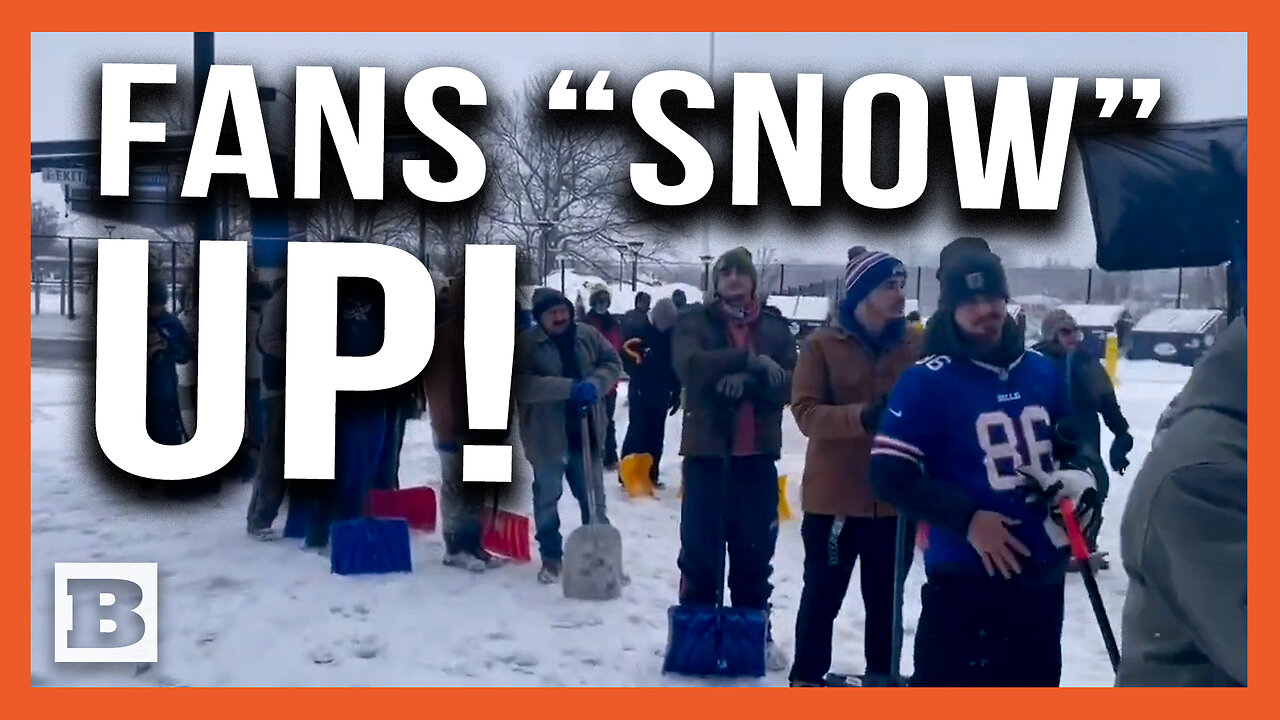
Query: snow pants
point(728, 505)
point(989, 632)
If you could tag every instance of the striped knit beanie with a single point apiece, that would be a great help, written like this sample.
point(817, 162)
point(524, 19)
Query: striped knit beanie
point(864, 273)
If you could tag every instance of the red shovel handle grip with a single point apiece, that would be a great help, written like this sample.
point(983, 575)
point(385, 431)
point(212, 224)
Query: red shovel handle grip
point(1079, 548)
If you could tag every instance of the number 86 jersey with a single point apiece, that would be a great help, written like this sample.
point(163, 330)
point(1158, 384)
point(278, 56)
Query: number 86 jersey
point(972, 425)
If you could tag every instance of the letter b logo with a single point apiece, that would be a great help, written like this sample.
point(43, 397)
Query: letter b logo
point(104, 612)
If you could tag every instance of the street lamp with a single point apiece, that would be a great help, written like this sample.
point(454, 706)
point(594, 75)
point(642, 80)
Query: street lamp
point(621, 247)
point(635, 260)
point(706, 272)
point(111, 230)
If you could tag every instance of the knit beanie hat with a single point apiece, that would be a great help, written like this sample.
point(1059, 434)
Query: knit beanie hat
point(864, 273)
point(739, 259)
point(545, 298)
point(971, 275)
point(663, 315)
point(1055, 321)
point(959, 247)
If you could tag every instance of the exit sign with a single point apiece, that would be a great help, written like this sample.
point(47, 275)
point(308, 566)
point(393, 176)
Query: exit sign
point(66, 176)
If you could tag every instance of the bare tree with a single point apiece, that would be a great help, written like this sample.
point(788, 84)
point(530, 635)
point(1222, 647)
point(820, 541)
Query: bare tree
point(766, 262)
point(565, 180)
point(45, 221)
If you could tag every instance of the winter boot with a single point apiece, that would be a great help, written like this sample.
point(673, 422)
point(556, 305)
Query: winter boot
point(550, 572)
point(464, 561)
point(489, 559)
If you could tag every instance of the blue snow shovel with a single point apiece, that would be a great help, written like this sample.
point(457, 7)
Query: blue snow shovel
point(714, 639)
point(370, 545)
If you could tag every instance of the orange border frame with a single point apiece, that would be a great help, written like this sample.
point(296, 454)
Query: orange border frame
point(655, 15)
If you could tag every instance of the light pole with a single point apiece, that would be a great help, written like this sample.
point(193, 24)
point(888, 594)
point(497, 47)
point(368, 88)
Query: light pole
point(111, 230)
point(706, 272)
point(622, 261)
point(635, 260)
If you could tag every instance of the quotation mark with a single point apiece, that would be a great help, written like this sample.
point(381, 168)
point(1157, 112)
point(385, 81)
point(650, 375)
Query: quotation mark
point(1111, 92)
point(563, 97)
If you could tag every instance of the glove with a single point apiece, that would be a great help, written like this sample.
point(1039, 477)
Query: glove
point(870, 414)
point(766, 366)
point(1049, 489)
point(1120, 448)
point(733, 385)
point(675, 404)
point(583, 393)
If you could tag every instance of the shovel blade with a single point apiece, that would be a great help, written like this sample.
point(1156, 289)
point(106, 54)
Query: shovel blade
point(506, 534)
point(416, 506)
point(635, 472)
point(784, 508)
point(593, 563)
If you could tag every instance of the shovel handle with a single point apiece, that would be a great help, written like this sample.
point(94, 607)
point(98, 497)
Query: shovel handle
point(1079, 548)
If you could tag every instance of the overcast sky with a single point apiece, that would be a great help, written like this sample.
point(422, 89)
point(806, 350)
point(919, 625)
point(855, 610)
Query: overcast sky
point(1206, 73)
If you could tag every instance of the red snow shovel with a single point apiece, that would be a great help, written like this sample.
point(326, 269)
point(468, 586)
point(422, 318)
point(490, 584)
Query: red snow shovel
point(416, 506)
point(506, 534)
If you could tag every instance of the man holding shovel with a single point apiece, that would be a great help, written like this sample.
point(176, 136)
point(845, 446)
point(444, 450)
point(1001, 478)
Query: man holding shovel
point(841, 385)
point(735, 363)
point(561, 368)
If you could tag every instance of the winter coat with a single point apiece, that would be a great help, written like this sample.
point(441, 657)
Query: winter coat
point(836, 377)
point(444, 386)
point(1091, 394)
point(634, 322)
point(271, 344)
point(702, 354)
point(541, 389)
point(611, 329)
point(1184, 539)
point(653, 380)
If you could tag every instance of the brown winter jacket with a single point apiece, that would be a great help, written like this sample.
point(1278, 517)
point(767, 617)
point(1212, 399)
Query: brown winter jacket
point(836, 376)
point(702, 354)
point(444, 385)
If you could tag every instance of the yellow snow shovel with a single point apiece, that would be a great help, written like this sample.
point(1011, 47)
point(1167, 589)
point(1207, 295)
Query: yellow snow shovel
point(784, 508)
point(634, 470)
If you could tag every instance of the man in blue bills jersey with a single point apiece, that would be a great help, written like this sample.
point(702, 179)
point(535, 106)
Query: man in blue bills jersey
point(960, 433)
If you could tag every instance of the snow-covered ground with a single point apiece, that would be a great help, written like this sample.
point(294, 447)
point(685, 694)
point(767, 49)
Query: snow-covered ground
point(234, 611)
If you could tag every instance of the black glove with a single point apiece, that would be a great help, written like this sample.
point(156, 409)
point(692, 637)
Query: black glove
point(870, 414)
point(675, 404)
point(768, 368)
point(1120, 448)
point(733, 386)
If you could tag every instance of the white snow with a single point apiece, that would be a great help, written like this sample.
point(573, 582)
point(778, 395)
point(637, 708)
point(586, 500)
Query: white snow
point(802, 308)
point(235, 611)
point(1095, 316)
point(621, 297)
point(1171, 320)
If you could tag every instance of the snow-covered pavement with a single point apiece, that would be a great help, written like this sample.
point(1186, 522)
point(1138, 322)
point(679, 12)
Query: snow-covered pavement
point(234, 611)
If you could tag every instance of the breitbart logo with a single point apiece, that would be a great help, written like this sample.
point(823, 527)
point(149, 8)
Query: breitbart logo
point(104, 612)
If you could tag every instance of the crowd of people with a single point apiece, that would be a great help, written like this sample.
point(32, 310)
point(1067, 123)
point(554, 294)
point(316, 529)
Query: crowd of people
point(953, 424)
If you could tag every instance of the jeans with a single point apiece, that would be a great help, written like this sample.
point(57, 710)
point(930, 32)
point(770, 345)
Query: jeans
point(549, 479)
